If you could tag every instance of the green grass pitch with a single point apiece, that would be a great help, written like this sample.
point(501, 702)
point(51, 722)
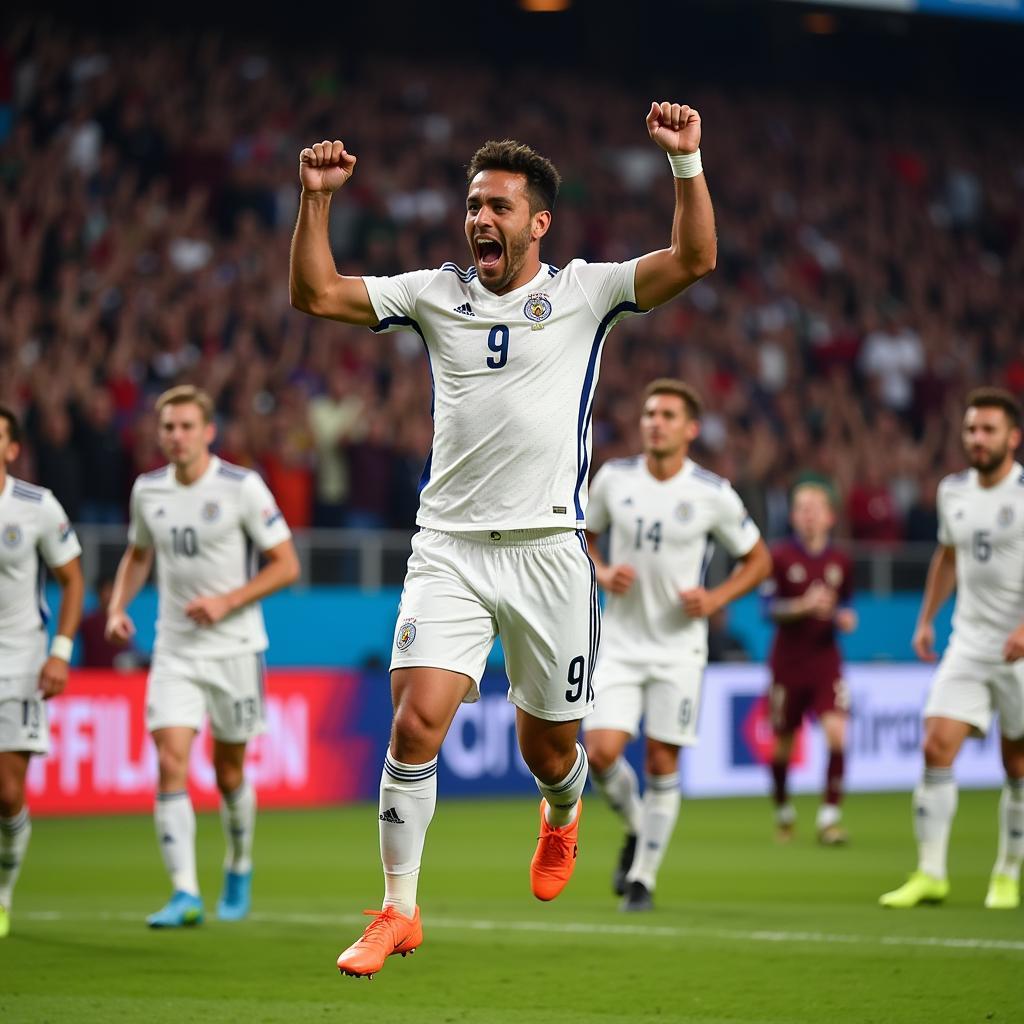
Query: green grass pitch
point(745, 931)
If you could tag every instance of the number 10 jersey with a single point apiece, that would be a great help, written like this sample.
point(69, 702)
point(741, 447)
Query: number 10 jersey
point(206, 536)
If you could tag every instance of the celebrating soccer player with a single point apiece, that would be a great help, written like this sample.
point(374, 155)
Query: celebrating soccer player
point(809, 596)
point(663, 512)
point(514, 346)
point(199, 517)
point(34, 527)
point(981, 556)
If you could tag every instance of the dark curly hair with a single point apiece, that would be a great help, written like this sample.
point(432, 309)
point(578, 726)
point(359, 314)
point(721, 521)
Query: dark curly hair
point(996, 398)
point(542, 179)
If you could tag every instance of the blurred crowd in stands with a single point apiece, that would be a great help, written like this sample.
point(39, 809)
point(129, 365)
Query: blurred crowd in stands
point(871, 256)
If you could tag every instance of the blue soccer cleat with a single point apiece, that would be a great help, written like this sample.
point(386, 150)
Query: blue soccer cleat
point(182, 910)
point(236, 897)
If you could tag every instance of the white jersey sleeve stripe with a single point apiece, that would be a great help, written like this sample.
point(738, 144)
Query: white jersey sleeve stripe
point(587, 397)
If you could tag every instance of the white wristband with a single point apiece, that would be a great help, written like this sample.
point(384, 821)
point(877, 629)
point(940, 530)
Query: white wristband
point(685, 165)
point(61, 647)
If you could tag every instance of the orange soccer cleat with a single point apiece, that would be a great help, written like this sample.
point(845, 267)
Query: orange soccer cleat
point(388, 933)
point(555, 857)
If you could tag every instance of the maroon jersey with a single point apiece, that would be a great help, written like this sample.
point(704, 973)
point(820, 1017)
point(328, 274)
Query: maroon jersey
point(805, 650)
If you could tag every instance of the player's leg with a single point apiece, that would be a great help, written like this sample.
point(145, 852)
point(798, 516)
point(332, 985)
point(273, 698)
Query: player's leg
point(786, 707)
point(833, 720)
point(235, 702)
point(935, 801)
point(175, 821)
point(15, 827)
point(615, 720)
point(442, 638)
point(1004, 886)
point(175, 708)
point(959, 703)
point(550, 623)
point(425, 701)
point(559, 765)
point(660, 812)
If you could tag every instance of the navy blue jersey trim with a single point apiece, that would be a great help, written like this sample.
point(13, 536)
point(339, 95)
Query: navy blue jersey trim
point(465, 275)
point(587, 397)
point(232, 472)
point(708, 477)
point(552, 271)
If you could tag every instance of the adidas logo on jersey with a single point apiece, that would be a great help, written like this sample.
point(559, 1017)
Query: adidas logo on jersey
point(391, 817)
point(466, 309)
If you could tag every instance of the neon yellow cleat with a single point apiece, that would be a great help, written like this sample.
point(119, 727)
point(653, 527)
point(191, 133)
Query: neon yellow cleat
point(5, 923)
point(1003, 893)
point(918, 888)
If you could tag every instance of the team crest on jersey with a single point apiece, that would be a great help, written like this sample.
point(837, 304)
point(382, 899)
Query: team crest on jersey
point(833, 575)
point(537, 308)
point(406, 635)
point(271, 516)
point(64, 531)
point(12, 535)
point(684, 512)
point(211, 510)
point(1005, 517)
point(796, 573)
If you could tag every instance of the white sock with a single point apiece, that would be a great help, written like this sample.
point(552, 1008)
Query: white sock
point(238, 816)
point(14, 836)
point(564, 796)
point(934, 807)
point(620, 788)
point(1011, 829)
point(408, 794)
point(828, 815)
point(661, 808)
point(176, 833)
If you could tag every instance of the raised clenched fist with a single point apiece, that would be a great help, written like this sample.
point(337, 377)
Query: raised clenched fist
point(325, 166)
point(675, 127)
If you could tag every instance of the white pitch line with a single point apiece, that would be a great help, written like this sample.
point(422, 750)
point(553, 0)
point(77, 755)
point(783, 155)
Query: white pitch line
point(597, 928)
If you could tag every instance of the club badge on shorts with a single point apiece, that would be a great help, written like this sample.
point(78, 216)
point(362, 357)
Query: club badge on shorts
point(406, 635)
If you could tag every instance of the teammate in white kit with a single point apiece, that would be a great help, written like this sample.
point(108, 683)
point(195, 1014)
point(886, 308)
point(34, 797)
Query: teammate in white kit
point(664, 514)
point(514, 346)
point(200, 518)
point(33, 527)
point(981, 556)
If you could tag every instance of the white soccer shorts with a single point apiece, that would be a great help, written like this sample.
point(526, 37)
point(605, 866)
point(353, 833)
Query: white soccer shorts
point(667, 697)
point(970, 690)
point(181, 691)
point(24, 725)
point(537, 589)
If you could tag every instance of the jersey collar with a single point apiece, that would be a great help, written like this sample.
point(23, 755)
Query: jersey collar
point(542, 275)
point(207, 473)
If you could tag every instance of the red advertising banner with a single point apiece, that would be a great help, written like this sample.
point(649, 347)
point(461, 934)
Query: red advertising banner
point(102, 760)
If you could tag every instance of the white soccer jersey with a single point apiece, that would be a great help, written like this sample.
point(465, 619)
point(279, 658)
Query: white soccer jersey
point(204, 535)
point(666, 530)
point(32, 525)
point(986, 526)
point(514, 379)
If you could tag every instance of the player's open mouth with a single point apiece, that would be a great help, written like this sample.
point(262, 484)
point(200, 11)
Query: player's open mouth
point(488, 252)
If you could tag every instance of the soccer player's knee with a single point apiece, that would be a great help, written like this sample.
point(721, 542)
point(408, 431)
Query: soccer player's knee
point(229, 776)
point(416, 734)
point(12, 796)
point(173, 765)
point(938, 751)
point(549, 764)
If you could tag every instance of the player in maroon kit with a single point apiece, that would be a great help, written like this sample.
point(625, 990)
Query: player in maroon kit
point(809, 595)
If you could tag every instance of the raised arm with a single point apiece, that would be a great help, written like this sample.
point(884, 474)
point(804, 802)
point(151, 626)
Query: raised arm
point(315, 285)
point(662, 275)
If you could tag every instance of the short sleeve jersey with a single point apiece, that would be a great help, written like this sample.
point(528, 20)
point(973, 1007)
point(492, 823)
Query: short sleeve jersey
point(206, 536)
point(806, 650)
point(666, 530)
point(514, 378)
point(986, 526)
point(33, 526)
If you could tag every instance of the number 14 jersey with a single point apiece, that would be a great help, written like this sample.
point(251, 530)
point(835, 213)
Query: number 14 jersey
point(986, 526)
point(206, 536)
point(665, 530)
point(514, 378)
